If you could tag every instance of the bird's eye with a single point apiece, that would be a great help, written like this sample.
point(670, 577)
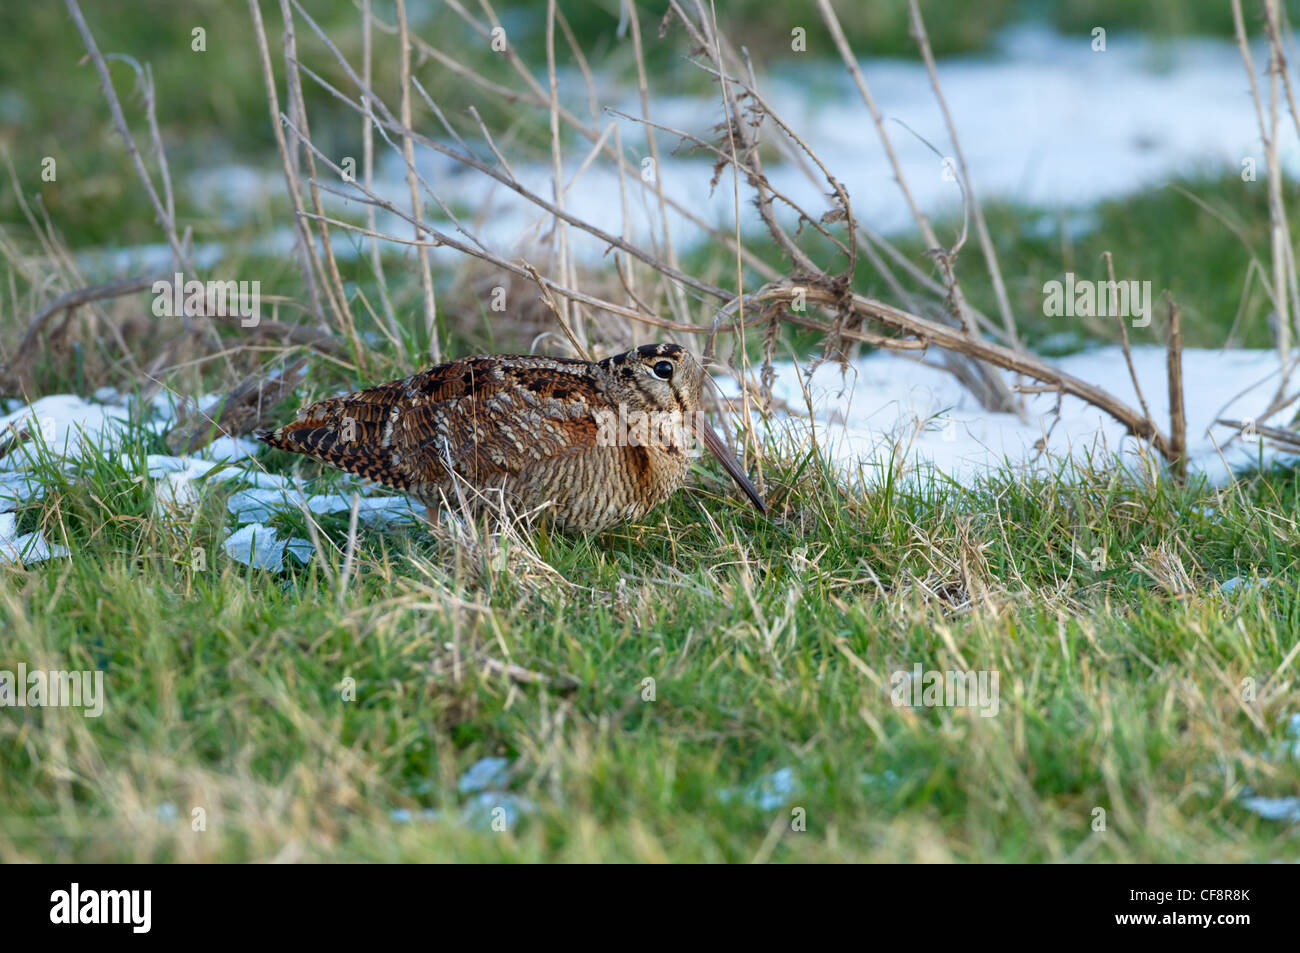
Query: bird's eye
point(664, 370)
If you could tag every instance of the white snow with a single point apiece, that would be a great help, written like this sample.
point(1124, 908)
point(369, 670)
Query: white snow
point(16, 489)
point(27, 547)
point(175, 496)
point(260, 547)
point(69, 427)
point(65, 424)
point(1274, 808)
point(1237, 584)
point(887, 404)
point(488, 804)
point(483, 774)
point(257, 545)
point(766, 793)
point(260, 504)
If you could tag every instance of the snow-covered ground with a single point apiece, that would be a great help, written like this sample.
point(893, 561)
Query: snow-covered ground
point(64, 427)
point(886, 405)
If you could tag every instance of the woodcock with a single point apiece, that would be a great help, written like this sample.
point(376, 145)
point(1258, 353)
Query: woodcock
point(601, 442)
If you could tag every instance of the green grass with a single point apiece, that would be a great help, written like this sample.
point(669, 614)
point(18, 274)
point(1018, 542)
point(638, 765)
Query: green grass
point(771, 643)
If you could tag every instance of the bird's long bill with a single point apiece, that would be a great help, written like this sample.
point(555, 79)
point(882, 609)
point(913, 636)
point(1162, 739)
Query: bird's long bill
point(719, 449)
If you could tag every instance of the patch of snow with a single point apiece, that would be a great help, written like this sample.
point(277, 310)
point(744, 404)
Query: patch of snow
point(1278, 808)
point(401, 815)
point(483, 774)
point(1241, 584)
point(1290, 747)
point(230, 448)
point(175, 495)
point(25, 548)
point(300, 549)
point(66, 424)
point(257, 546)
point(160, 465)
point(483, 780)
point(887, 406)
point(1274, 808)
point(17, 489)
point(259, 504)
point(264, 480)
point(767, 793)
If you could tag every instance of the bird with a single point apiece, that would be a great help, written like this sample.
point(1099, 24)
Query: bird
point(594, 443)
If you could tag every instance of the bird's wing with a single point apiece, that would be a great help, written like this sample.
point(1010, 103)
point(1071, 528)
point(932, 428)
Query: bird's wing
point(486, 419)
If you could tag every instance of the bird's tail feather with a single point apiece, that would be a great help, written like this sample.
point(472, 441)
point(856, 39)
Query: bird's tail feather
point(350, 432)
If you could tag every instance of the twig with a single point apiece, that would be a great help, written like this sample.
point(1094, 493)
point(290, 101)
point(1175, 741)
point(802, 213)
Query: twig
point(244, 408)
point(487, 137)
point(1276, 212)
point(119, 121)
point(367, 164)
point(408, 154)
point(18, 366)
point(996, 394)
point(534, 97)
point(953, 339)
point(559, 230)
point(578, 347)
point(1177, 413)
point(1123, 338)
point(306, 248)
point(333, 281)
point(981, 228)
point(1280, 434)
point(473, 162)
point(525, 676)
point(643, 90)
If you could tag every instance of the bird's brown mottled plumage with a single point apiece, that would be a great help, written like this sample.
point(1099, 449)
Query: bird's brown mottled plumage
point(528, 426)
